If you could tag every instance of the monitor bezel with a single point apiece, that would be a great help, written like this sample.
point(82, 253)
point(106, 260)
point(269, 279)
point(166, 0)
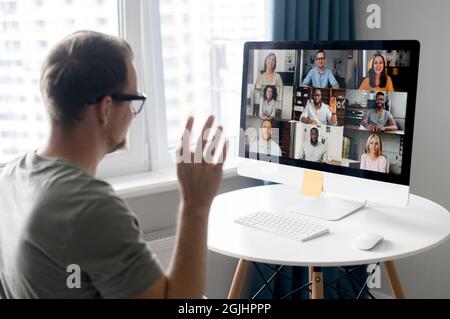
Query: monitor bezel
point(411, 45)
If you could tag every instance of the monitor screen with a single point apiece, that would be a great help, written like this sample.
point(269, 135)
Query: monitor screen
point(343, 107)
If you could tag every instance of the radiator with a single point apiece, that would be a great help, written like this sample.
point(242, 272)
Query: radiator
point(162, 244)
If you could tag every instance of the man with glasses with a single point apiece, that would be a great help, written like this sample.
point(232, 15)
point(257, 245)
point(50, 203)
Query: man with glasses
point(66, 234)
point(319, 113)
point(320, 76)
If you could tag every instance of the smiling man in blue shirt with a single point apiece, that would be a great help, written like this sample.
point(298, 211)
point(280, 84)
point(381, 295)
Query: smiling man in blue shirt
point(320, 76)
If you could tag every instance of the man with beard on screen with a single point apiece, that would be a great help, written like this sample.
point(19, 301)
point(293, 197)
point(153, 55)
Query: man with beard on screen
point(319, 113)
point(313, 150)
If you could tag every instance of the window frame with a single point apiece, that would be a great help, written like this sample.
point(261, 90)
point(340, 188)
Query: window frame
point(142, 153)
point(147, 136)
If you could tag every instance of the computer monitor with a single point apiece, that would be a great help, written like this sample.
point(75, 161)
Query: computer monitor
point(347, 111)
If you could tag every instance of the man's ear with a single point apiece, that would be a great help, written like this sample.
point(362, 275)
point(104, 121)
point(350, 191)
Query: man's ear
point(104, 110)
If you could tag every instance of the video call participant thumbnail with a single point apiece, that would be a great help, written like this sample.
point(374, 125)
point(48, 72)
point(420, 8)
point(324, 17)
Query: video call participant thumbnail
point(373, 158)
point(268, 103)
point(320, 113)
point(379, 119)
point(377, 80)
point(313, 150)
point(320, 76)
point(264, 143)
point(268, 75)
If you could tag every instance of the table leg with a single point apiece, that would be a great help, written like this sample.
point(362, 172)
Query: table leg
point(317, 283)
point(310, 277)
point(397, 290)
point(238, 279)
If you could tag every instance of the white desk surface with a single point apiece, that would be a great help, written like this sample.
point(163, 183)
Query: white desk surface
point(407, 231)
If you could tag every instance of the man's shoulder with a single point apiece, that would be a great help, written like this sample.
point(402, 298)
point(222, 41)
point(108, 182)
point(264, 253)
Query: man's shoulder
point(328, 70)
point(71, 179)
point(254, 146)
point(388, 113)
point(80, 187)
point(307, 145)
point(59, 192)
point(370, 113)
point(324, 107)
point(88, 200)
point(307, 110)
point(55, 180)
point(274, 145)
point(10, 166)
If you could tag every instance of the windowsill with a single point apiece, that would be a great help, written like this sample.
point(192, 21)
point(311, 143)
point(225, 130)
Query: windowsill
point(137, 185)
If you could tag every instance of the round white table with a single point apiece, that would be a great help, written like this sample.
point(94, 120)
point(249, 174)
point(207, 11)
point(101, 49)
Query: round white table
point(407, 231)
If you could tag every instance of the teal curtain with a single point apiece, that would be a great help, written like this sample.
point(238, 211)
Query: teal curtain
point(306, 20)
point(309, 20)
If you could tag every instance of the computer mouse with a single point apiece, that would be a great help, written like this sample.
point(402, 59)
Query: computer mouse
point(366, 241)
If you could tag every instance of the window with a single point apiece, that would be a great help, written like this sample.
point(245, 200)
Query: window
point(202, 45)
point(38, 3)
point(188, 55)
point(42, 45)
point(20, 129)
point(8, 7)
point(11, 46)
point(9, 25)
point(40, 24)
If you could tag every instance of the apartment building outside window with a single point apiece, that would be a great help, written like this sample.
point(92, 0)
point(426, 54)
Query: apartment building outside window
point(29, 29)
point(188, 55)
point(202, 45)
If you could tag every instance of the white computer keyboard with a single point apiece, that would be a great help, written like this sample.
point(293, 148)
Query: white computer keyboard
point(297, 228)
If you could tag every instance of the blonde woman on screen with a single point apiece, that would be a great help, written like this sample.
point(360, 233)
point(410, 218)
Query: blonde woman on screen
point(373, 158)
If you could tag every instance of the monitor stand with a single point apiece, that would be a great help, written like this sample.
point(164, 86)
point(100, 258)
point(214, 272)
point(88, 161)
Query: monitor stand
point(328, 206)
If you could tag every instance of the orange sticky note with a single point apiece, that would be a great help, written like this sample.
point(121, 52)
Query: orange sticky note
point(312, 184)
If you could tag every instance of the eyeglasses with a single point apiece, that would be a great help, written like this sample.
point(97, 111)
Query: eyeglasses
point(137, 101)
point(320, 58)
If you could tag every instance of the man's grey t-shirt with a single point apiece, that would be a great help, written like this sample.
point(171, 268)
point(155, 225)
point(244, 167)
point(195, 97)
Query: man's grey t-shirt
point(384, 119)
point(53, 215)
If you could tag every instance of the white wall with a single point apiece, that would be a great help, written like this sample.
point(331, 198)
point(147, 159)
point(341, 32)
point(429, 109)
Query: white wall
point(425, 275)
